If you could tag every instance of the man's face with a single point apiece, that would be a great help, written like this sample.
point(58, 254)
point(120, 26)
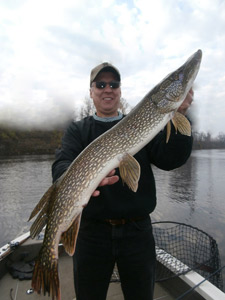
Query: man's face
point(106, 100)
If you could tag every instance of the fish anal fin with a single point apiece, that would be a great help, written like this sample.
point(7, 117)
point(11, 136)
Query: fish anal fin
point(130, 171)
point(69, 237)
point(45, 199)
point(181, 124)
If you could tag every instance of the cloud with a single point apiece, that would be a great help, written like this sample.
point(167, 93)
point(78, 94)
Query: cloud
point(48, 48)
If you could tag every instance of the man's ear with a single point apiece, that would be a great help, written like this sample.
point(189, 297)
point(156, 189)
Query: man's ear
point(90, 92)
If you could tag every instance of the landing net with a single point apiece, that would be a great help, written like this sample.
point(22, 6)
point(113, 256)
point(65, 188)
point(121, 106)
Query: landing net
point(181, 248)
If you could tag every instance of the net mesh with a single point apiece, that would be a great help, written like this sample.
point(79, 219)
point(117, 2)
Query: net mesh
point(181, 248)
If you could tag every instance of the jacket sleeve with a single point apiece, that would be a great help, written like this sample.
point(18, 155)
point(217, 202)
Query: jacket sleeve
point(70, 149)
point(171, 155)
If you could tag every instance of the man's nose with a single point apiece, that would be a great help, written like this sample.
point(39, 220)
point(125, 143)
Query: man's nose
point(108, 88)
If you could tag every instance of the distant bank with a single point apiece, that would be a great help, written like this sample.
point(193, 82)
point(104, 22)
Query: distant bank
point(25, 142)
point(20, 142)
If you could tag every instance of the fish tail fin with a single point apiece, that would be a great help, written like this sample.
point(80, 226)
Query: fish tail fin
point(45, 278)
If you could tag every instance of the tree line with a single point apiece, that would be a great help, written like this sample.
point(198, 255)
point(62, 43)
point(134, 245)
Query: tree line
point(21, 142)
point(204, 140)
point(14, 141)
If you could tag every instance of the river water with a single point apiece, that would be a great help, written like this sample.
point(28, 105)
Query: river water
point(192, 194)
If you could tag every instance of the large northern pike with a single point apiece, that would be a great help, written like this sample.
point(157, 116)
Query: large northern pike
point(61, 206)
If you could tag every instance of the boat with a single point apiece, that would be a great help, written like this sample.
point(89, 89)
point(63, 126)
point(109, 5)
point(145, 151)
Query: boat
point(175, 278)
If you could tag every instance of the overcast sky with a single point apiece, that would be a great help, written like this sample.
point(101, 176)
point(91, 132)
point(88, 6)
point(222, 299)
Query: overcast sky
point(48, 47)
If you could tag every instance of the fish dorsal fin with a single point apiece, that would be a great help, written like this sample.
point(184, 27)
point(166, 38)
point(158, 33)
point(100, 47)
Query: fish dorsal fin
point(130, 171)
point(181, 124)
point(44, 200)
point(69, 237)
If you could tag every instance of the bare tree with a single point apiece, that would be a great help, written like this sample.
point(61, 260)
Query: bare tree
point(87, 109)
point(124, 106)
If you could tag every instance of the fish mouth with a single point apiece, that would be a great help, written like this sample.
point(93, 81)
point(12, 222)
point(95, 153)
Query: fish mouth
point(199, 55)
point(196, 57)
point(186, 74)
point(175, 86)
point(190, 70)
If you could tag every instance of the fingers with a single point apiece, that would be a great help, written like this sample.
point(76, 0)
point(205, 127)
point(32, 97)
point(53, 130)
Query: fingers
point(96, 193)
point(190, 97)
point(187, 102)
point(109, 180)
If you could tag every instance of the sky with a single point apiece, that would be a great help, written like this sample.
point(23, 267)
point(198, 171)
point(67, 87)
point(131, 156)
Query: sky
point(48, 47)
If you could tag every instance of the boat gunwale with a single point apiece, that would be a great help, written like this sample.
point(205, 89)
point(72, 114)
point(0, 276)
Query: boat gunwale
point(207, 290)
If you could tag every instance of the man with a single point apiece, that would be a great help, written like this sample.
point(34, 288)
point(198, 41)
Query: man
point(115, 225)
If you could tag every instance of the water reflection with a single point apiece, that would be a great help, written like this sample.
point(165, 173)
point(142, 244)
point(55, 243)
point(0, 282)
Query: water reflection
point(23, 180)
point(198, 185)
point(178, 186)
point(192, 194)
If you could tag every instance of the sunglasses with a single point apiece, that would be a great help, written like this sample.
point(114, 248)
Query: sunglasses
point(102, 84)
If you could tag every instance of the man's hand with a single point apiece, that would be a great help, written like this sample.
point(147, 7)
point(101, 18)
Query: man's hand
point(186, 103)
point(108, 180)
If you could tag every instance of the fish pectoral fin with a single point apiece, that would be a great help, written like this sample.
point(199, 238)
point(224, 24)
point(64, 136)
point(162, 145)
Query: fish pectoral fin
point(168, 131)
point(69, 237)
point(181, 124)
point(44, 200)
point(130, 171)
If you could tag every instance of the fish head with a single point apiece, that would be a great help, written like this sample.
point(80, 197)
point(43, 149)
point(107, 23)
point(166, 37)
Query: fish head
point(169, 94)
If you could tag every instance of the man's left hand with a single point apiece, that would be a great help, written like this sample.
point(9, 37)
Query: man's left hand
point(186, 103)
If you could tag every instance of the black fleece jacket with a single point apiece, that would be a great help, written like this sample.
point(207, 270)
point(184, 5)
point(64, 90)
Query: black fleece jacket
point(118, 201)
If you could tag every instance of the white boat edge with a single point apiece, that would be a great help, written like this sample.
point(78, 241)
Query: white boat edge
point(9, 247)
point(206, 289)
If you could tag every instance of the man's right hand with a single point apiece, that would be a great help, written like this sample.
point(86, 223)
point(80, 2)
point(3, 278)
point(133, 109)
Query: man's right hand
point(108, 180)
